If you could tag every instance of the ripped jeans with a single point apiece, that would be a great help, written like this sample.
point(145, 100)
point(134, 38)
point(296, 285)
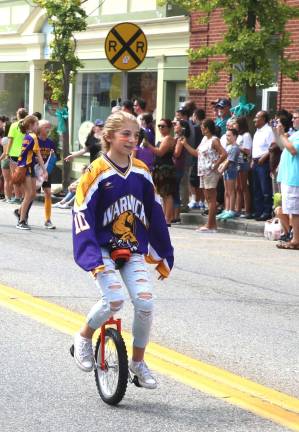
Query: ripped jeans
point(135, 277)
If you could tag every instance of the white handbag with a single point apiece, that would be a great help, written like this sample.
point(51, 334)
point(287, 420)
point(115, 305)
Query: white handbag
point(273, 229)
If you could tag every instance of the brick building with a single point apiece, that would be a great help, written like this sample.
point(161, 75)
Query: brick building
point(284, 94)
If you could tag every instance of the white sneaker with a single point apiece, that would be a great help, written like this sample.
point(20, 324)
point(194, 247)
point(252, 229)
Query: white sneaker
point(65, 206)
point(56, 205)
point(143, 374)
point(49, 225)
point(83, 353)
point(192, 204)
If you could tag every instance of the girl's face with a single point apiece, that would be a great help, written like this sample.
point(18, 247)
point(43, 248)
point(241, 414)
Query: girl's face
point(177, 128)
point(163, 128)
point(97, 130)
point(230, 137)
point(125, 140)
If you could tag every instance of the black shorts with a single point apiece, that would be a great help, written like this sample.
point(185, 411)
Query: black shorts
point(48, 183)
point(194, 179)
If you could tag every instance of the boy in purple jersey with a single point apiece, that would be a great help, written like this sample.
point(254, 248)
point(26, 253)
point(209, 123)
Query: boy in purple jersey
point(47, 147)
point(117, 212)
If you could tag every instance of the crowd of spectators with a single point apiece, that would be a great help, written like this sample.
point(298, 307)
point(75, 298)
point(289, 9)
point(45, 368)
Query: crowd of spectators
point(228, 166)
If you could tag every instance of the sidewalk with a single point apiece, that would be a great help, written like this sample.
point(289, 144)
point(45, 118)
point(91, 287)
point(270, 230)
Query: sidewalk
point(237, 225)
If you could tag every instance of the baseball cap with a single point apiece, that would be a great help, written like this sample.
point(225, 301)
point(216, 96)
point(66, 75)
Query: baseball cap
point(223, 103)
point(99, 122)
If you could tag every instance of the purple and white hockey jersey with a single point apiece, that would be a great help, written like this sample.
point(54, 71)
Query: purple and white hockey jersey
point(120, 206)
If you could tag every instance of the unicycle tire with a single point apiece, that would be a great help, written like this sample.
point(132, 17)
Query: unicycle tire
point(112, 382)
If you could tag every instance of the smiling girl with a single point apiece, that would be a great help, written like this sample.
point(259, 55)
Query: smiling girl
point(116, 210)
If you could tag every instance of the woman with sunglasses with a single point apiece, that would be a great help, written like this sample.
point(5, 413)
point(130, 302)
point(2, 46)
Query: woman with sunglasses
point(163, 169)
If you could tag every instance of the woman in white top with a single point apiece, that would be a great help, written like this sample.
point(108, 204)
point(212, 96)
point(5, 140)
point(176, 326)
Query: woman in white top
point(210, 155)
point(244, 142)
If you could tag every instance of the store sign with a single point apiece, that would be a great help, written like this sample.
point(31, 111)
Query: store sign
point(126, 46)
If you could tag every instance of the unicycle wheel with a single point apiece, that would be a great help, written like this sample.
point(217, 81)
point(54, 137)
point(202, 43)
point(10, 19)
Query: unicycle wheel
point(113, 379)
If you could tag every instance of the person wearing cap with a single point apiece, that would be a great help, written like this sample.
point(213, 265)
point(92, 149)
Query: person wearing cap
point(92, 143)
point(224, 114)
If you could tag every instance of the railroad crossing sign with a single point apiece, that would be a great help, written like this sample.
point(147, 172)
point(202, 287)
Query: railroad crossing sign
point(126, 46)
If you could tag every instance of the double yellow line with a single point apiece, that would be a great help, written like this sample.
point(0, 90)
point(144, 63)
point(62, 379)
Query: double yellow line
point(265, 402)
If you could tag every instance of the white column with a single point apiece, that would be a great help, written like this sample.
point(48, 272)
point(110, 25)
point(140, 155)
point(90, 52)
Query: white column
point(36, 86)
point(160, 88)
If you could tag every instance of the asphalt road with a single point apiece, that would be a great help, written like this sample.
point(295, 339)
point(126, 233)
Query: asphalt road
point(231, 301)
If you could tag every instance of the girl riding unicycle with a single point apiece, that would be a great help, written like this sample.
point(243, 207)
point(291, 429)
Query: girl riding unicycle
point(118, 224)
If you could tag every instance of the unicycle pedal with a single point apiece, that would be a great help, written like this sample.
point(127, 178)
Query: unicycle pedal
point(72, 349)
point(134, 379)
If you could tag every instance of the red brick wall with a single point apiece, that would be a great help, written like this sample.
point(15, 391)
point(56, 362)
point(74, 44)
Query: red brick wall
point(288, 94)
point(205, 35)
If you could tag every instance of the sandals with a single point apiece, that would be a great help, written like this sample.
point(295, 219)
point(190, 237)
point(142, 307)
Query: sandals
point(288, 245)
point(206, 230)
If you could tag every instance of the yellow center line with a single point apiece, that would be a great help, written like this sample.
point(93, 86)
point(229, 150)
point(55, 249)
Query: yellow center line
point(249, 395)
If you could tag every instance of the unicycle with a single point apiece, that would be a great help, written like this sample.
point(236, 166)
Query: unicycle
point(111, 363)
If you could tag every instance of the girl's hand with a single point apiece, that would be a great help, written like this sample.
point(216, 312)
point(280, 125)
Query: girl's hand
point(69, 158)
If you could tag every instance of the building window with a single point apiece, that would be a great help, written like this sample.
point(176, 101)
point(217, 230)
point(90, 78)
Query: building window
point(14, 92)
point(93, 97)
point(144, 85)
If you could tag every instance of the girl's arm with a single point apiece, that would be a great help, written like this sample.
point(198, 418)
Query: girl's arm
point(76, 154)
point(189, 149)
point(178, 147)
point(220, 150)
point(165, 146)
point(222, 167)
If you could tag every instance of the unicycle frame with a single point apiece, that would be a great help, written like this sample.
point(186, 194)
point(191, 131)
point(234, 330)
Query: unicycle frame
point(110, 322)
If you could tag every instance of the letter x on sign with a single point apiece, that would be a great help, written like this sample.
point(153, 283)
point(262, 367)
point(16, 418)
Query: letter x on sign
point(126, 46)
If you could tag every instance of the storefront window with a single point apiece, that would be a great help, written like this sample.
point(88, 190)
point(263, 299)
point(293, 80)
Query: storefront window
point(93, 97)
point(144, 85)
point(14, 93)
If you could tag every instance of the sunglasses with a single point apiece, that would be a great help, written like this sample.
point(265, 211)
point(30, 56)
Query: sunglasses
point(162, 126)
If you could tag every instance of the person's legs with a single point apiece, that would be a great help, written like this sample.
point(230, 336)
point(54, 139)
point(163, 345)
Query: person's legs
point(47, 203)
point(239, 193)
point(231, 194)
point(29, 195)
point(168, 208)
point(136, 279)
point(7, 183)
point(266, 187)
point(284, 220)
point(211, 195)
point(257, 191)
point(18, 190)
point(111, 302)
point(295, 225)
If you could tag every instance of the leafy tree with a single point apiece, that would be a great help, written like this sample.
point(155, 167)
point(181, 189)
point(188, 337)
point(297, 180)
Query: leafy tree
point(255, 37)
point(66, 17)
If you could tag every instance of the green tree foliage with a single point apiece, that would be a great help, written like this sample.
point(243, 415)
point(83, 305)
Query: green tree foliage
point(254, 39)
point(66, 17)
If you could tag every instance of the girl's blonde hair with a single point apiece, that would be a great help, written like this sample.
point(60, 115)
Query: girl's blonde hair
point(113, 124)
point(25, 124)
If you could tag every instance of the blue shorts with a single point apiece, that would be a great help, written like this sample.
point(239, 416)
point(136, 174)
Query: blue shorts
point(230, 174)
point(243, 167)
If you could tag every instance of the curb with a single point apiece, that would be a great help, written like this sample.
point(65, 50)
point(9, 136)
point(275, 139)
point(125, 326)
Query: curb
point(238, 226)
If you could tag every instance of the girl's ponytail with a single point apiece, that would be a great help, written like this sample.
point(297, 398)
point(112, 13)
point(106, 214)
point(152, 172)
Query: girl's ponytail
point(25, 124)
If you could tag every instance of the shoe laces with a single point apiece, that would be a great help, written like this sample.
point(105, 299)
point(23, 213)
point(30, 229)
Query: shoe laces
point(85, 348)
point(144, 371)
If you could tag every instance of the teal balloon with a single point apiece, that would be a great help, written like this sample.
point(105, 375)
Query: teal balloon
point(243, 108)
point(62, 115)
